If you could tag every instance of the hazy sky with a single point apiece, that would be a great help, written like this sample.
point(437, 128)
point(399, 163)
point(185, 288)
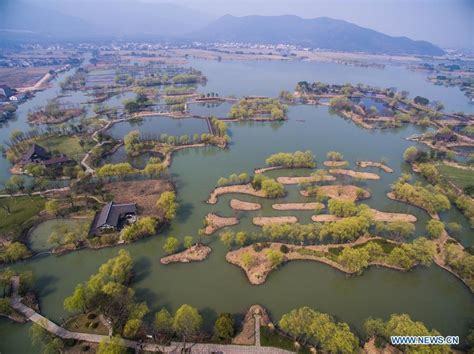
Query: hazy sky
point(448, 23)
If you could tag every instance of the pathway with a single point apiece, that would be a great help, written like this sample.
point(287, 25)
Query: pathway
point(175, 347)
point(63, 189)
point(257, 317)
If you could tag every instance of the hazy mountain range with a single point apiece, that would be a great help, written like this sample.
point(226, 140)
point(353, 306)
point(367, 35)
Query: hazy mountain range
point(322, 32)
point(63, 20)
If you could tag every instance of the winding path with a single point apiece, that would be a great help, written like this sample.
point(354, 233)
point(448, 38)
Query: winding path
point(53, 190)
point(175, 347)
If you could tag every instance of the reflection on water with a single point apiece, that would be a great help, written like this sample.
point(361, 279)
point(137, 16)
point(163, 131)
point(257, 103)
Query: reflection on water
point(155, 126)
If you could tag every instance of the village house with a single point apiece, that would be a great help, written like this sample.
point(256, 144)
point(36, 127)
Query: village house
point(19, 97)
point(5, 93)
point(113, 217)
point(38, 155)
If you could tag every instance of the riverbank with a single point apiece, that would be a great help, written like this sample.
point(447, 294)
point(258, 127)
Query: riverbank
point(392, 196)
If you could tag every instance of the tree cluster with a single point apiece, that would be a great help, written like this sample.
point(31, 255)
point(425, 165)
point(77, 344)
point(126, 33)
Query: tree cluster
point(234, 179)
point(108, 293)
point(144, 226)
point(429, 198)
point(250, 108)
point(403, 325)
point(309, 326)
point(186, 323)
point(298, 159)
point(167, 203)
point(461, 262)
point(269, 186)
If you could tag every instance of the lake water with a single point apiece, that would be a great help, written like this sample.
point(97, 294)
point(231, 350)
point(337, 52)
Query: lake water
point(219, 110)
point(428, 294)
point(38, 240)
point(121, 156)
point(158, 125)
point(268, 78)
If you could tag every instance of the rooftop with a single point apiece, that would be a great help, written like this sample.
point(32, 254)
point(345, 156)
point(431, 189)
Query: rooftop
point(110, 215)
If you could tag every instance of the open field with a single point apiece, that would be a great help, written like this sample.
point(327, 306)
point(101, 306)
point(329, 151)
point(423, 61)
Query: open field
point(22, 77)
point(458, 176)
point(143, 193)
point(68, 145)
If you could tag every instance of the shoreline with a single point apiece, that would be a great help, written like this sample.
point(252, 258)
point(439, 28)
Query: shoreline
point(391, 195)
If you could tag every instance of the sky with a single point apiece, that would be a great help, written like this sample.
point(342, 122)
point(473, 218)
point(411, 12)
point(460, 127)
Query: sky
point(447, 23)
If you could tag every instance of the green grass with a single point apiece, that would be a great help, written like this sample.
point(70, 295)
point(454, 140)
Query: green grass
point(386, 246)
point(310, 252)
point(269, 338)
point(458, 176)
point(22, 209)
point(68, 145)
point(335, 251)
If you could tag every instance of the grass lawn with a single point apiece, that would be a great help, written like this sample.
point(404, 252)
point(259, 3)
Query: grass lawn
point(386, 246)
point(458, 176)
point(269, 338)
point(22, 209)
point(68, 145)
point(87, 323)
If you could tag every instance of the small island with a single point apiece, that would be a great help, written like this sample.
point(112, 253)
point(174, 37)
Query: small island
point(195, 253)
point(215, 222)
point(237, 204)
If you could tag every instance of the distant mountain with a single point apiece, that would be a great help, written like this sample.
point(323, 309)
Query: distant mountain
point(58, 19)
point(322, 32)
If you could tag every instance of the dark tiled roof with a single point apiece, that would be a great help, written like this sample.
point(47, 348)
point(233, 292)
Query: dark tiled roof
point(56, 160)
point(38, 150)
point(110, 215)
point(104, 214)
